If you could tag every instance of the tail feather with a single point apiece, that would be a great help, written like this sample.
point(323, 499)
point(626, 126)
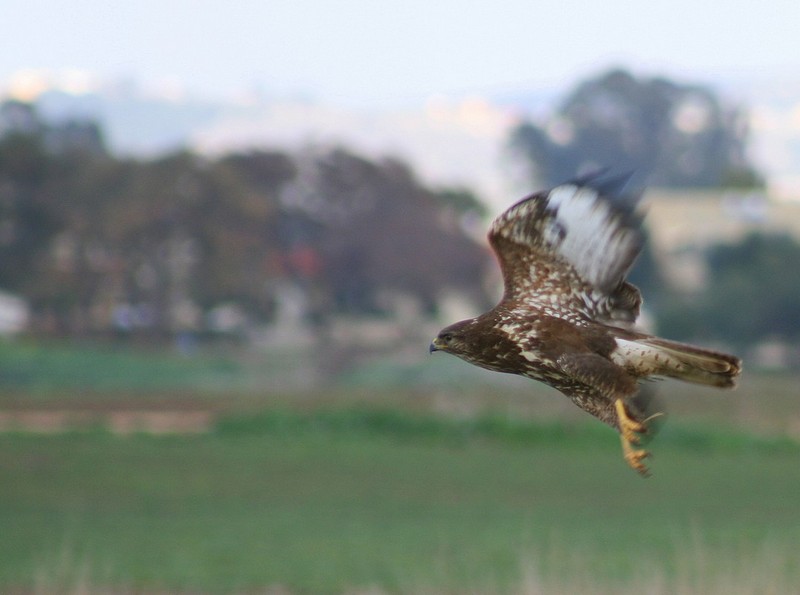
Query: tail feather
point(693, 364)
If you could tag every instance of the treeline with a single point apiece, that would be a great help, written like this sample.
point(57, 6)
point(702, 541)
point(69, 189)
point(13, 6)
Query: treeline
point(752, 296)
point(101, 245)
point(672, 134)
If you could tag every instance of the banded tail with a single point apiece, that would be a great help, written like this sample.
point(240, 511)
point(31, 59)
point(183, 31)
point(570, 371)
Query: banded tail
point(653, 356)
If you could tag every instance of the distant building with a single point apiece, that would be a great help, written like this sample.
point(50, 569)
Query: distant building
point(13, 314)
point(684, 223)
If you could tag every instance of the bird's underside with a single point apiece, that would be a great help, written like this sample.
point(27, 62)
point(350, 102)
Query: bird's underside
point(567, 313)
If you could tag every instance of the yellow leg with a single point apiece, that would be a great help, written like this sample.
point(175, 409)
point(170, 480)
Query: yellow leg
point(628, 433)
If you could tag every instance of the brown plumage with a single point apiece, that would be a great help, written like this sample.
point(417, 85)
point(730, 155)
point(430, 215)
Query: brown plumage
point(567, 313)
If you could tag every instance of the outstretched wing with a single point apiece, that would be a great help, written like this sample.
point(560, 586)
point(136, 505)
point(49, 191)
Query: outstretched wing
point(570, 248)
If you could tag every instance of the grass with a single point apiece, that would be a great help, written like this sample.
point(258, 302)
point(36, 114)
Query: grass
point(47, 368)
point(438, 481)
point(339, 500)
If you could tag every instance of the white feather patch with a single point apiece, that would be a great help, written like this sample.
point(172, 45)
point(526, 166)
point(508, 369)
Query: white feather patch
point(644, 359)
point(588, 234)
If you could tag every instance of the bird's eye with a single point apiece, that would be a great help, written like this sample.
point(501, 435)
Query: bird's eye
point(447, 337)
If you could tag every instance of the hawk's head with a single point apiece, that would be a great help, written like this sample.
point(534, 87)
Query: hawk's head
point(455, 338)
point(479, 341)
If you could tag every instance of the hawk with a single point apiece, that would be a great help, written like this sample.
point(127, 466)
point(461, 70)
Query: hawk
point(566, 317)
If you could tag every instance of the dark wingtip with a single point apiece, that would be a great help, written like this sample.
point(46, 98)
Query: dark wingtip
point(590, 177)
point(614, 186)
point(606, 182)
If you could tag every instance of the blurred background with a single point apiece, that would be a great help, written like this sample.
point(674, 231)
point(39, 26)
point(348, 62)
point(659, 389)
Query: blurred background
point(228, 232)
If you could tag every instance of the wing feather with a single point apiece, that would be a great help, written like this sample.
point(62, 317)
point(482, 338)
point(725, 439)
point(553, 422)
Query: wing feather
point(575, 242)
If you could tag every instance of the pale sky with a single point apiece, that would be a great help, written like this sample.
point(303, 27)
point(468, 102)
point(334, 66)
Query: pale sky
point(370, 53)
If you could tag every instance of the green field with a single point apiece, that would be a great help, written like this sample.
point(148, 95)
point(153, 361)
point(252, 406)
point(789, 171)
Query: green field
point(333, 501)
point(423, 490)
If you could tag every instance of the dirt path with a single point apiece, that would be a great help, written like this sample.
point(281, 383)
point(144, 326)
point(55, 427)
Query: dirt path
point(122, 422)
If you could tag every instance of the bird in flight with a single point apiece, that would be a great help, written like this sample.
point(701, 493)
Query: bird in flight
point(567, 313)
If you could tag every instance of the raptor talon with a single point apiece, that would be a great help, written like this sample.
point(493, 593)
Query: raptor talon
point(647, 420)
point(635, 457)
point(629, 430)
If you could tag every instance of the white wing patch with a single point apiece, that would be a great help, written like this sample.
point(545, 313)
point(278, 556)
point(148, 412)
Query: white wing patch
point(566, 251)
point(589, 234)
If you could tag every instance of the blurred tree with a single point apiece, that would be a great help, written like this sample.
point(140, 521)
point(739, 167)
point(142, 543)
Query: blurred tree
point(240, 224)
point(39, 164)
point(752, 294)
point(382, 231)
point(462, 201)
point(671, 134)
point(99, 244)
point(27, 221)
point(178, 236)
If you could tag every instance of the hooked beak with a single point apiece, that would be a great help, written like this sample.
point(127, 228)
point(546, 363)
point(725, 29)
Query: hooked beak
point(436, 345)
